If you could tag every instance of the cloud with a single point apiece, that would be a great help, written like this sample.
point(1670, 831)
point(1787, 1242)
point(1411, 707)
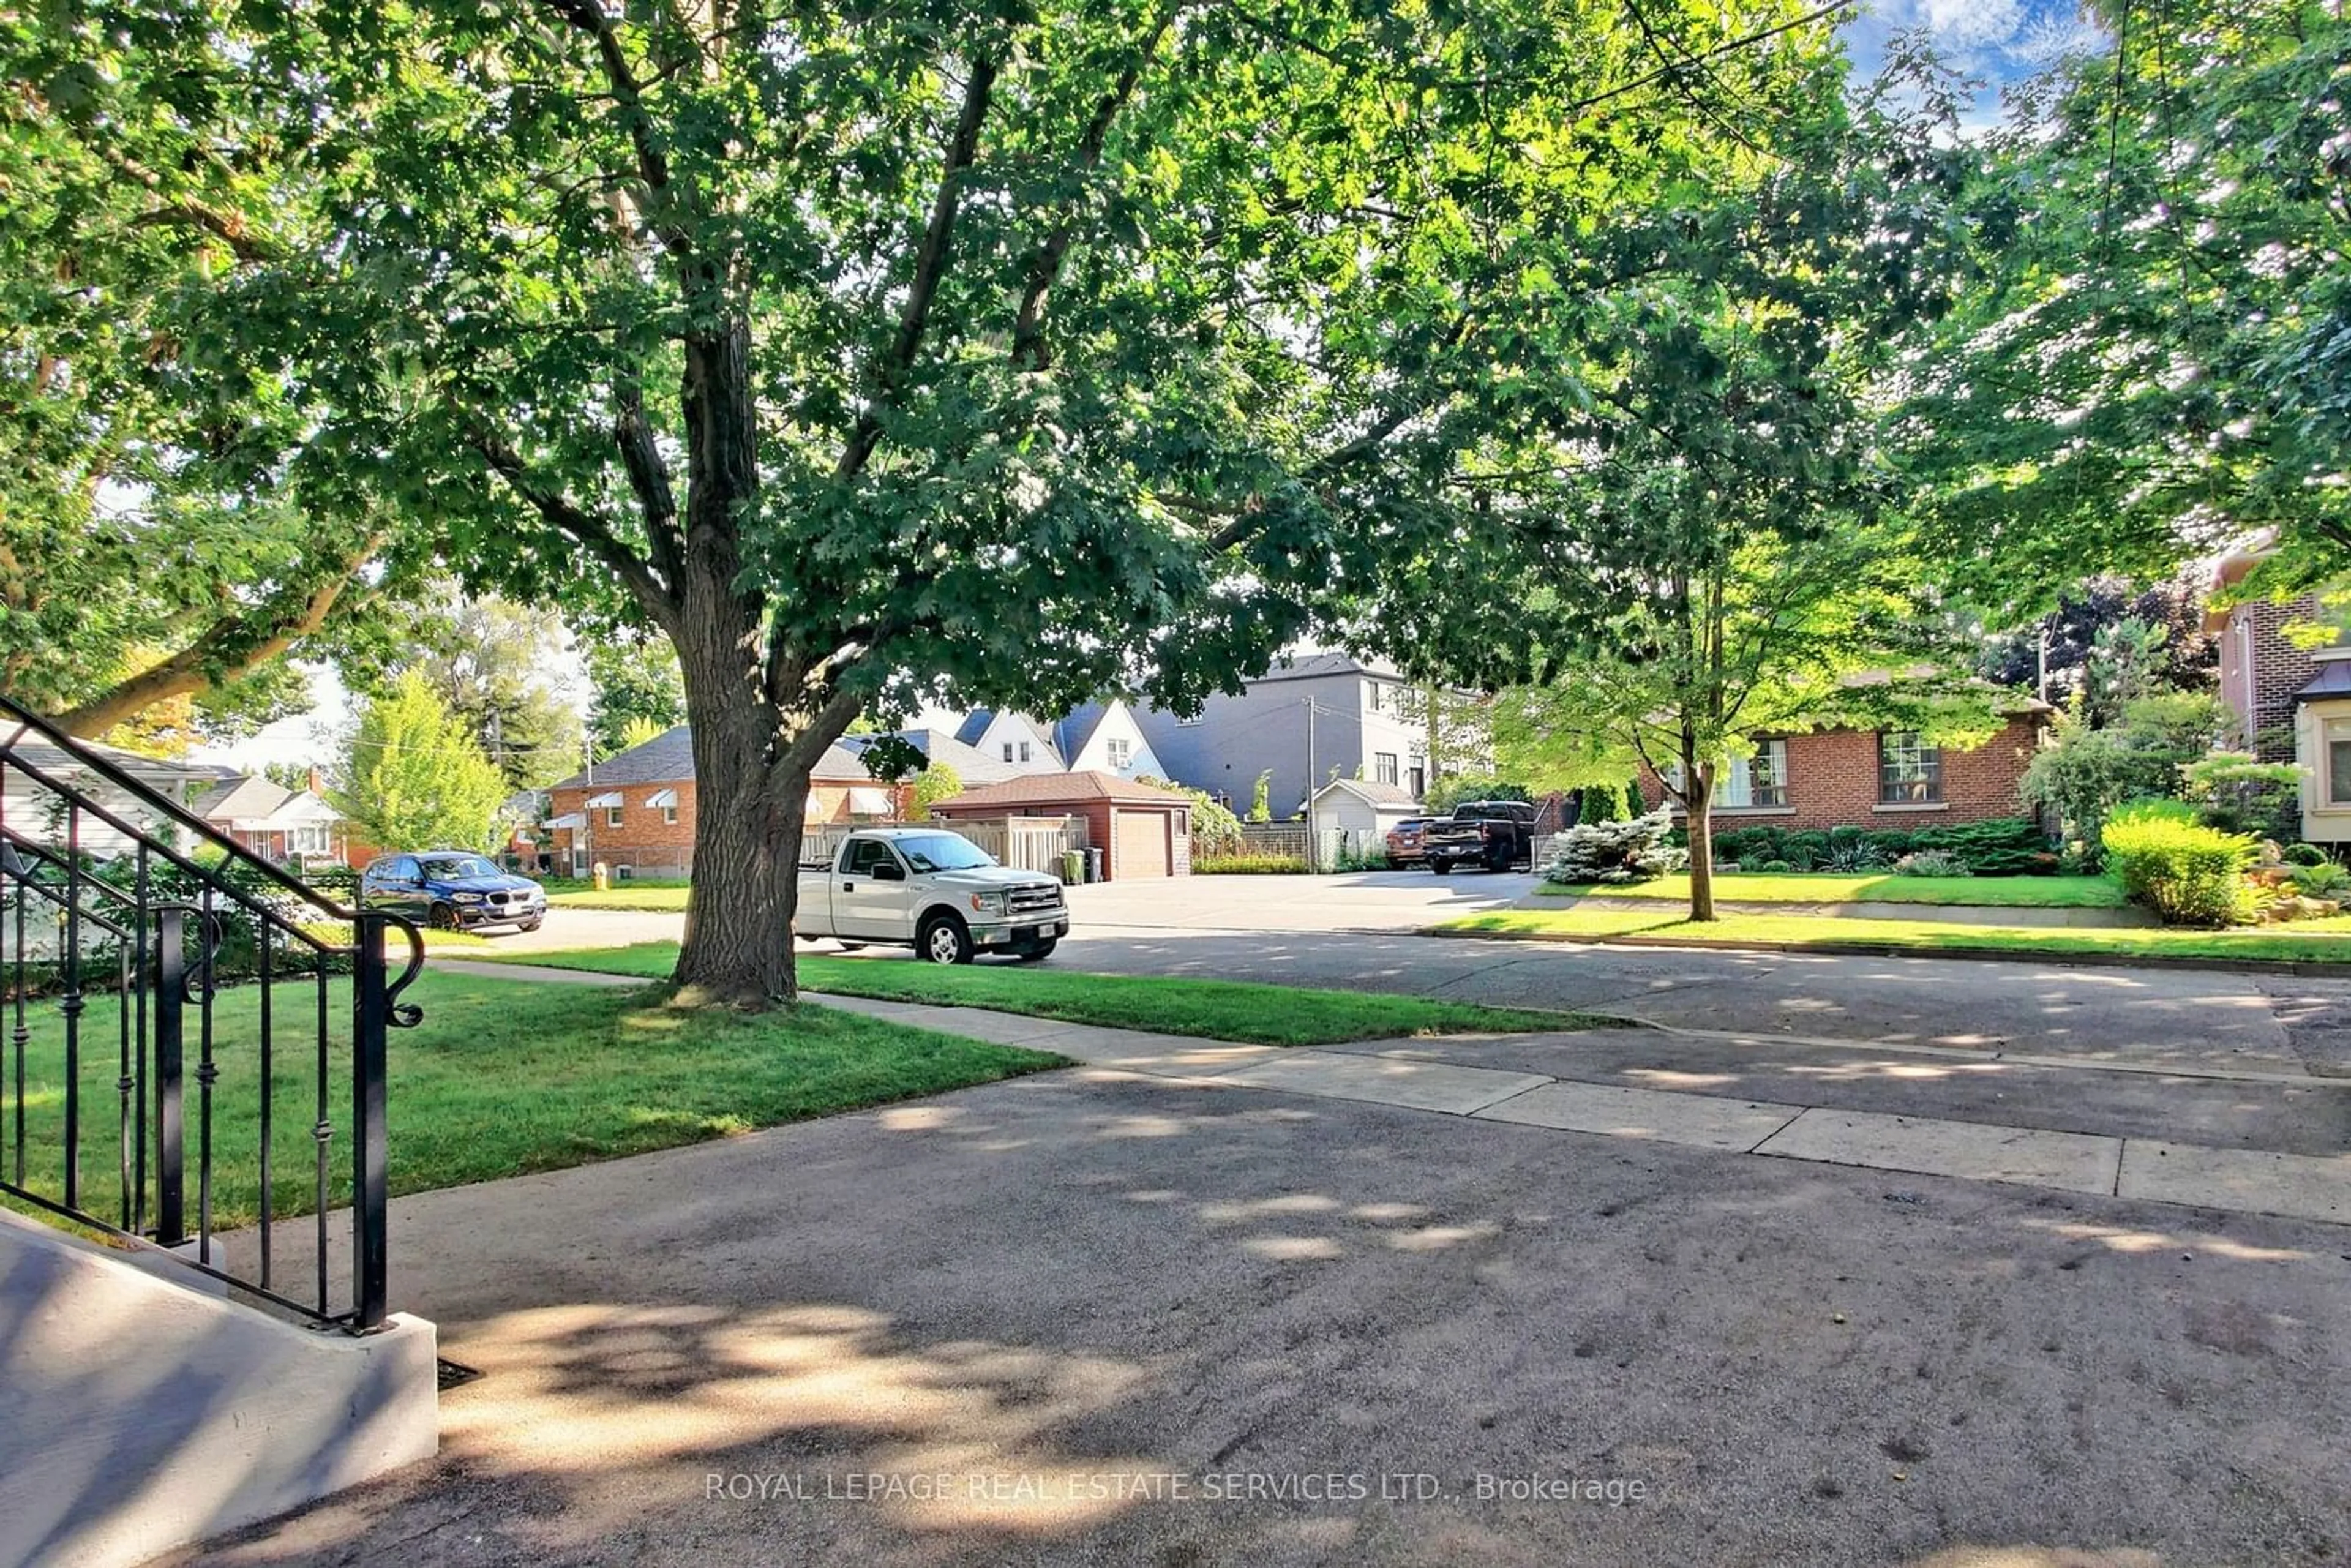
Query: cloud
point(1972, 24)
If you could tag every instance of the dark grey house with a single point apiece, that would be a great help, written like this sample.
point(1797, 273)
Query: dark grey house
point(1311, 718)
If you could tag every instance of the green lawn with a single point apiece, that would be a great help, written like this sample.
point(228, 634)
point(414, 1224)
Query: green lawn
point(1211, 1010)
point(636, 895)
point(2309, 941)
point(1830, 887)
point(503, 1077)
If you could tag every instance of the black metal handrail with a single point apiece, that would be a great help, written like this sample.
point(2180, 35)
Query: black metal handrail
point(131, 920)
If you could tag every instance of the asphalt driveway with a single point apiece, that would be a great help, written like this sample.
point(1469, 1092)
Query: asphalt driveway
point(1097, 1318)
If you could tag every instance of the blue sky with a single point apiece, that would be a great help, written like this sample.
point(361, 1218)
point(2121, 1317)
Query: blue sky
point(2003, 41)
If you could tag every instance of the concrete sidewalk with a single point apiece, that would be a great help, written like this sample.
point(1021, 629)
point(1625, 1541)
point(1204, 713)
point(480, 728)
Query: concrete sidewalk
point(1399, 1074)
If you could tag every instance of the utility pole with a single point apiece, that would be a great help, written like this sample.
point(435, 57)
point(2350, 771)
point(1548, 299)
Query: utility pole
point(1434, 732)
point(1313, 839)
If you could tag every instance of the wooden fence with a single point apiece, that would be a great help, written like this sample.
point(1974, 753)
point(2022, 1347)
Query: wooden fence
point(1026, 843)
point(1277, 839)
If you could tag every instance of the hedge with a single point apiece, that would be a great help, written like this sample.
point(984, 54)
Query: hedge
point(2000, 846)
point(1247, 865)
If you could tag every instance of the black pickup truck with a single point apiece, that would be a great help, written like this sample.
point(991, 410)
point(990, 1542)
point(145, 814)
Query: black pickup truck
point(1496, 834)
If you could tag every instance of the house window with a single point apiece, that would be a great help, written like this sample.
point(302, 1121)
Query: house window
point(1909, 771)
point(669, 815)
point(1383, 767)
point(1416, 778)
point(1378, 695)
point(2338, 772)
point(1749, 782)
point(1024, 751)
point(612, 816)
point(1008, 751)
point(1122, 752)
point(1758, 781)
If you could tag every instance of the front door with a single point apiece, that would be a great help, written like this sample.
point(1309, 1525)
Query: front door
point(869, 894)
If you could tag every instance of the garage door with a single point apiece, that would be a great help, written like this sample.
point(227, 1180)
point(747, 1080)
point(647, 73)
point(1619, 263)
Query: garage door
point(1139, 841)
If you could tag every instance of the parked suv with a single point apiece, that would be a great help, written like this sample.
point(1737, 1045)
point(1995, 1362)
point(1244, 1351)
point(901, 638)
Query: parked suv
point(1496, 834)
point(451, 890)
point(1404, 841)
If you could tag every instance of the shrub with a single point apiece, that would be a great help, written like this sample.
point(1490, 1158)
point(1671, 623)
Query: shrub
point(2302, 854)
point(2086, 773)
point(1850, 849)
point(2237, 793)
point(1932, 863)
point(2189, 875)
point(1599, 803)
point(2324, 880)
point(1215, 832)
point(1777, 865)
point(1247, 865)
point(1751, 863)
point(1443, 794)
point(1616, 852)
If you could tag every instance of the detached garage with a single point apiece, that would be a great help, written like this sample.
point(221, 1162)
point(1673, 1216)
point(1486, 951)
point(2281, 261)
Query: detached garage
point(1142, 829)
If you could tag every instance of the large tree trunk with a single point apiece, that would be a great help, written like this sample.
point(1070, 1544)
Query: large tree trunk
point(747, 820)
point(750, 781)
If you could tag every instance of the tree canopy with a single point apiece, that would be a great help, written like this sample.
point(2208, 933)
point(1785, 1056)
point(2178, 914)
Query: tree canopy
point(2157, 360)
point(1680, 531)
point(165, 535)
point(999, 354)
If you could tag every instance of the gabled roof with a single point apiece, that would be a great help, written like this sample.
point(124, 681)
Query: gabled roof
point(971, 765)
point(50, 759)
point(841, 764)
point(666, 758)
point(1075, 728)
point(1065, 789)
point(1313, 666)
point(1372, 791)
point(248, 799)
point(974, 725)
point(252, 802)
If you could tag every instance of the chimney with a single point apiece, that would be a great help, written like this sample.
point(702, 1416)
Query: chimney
point(318, 784)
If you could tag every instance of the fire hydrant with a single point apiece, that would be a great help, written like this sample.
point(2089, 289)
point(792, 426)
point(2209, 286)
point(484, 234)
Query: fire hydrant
point(602, 875)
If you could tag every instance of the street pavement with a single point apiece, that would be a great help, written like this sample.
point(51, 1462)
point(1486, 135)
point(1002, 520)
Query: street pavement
point(1195, 1306)
point(1857, 1262)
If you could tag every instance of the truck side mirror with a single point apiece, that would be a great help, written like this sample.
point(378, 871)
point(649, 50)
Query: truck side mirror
point(888, 871)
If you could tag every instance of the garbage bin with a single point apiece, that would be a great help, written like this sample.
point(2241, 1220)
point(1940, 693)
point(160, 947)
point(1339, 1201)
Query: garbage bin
point(1073, 865)
point(1093, 865)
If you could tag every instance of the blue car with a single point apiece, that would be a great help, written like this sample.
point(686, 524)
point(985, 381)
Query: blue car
point(451, 890)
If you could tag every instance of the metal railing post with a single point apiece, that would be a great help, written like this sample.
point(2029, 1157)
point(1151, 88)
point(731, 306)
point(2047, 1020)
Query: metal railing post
point(171, 996)
point(371, 1008)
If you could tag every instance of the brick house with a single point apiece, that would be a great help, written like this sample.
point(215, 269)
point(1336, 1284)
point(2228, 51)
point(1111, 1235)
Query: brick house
point(1874, 779)
point(2290, 703)
point(280, 825)
point(1142, 829)
point(637, 809)
point(2263, 676)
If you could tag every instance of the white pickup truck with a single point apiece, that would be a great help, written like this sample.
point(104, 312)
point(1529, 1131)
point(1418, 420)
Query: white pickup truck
point(930, 889)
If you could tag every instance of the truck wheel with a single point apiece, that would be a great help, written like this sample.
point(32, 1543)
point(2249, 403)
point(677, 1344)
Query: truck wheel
point(1440, 867)
point(944, 939)
point(1044, 950)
